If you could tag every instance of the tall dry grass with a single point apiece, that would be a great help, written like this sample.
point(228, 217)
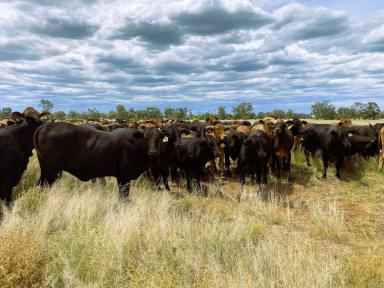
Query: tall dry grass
point(82, 235)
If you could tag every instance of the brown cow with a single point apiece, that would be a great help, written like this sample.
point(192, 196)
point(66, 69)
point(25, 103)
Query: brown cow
point(218, 132)
point(33, 113)
point(345, 123)
point(282, 145)
point(381, 145)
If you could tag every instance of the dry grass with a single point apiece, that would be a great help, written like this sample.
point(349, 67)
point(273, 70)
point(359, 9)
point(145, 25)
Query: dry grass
point(315, 234)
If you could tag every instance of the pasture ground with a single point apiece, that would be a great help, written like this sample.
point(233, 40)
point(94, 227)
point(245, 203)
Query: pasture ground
point(315, 233)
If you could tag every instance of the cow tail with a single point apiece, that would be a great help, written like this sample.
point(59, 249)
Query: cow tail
point(35, 143)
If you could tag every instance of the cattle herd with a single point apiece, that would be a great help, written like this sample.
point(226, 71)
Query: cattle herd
point(171, 149)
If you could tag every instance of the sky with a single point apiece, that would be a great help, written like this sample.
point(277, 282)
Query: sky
point(200, 54)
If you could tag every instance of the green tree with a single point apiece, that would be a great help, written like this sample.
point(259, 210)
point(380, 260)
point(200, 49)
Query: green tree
point(46, 105)
point(152, 113)
point(221, 113)
point(169, 112)
point(243, 111)
point(347, 112)
point(371, 111)
point(60, 115)
point(324, 110)
point(279, 113)
point(5, 112)
point(93, 113)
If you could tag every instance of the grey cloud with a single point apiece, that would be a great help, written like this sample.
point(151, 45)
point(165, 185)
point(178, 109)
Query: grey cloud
point(175, 66)
point(302, 23)
point(321, 27)
point(65, 28)
point(153, 33)
point(218, 20)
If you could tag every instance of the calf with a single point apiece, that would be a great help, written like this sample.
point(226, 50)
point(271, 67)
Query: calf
point(282, 144)
point(219, 134)
point(296, 126)
point(234, 141)
point(15, 149)
point(331, 140)
point(254, 156)
point(159, 148)
point(193, 155)
point(89, 154)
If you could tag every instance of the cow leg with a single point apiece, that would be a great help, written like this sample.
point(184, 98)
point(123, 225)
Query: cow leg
point(6, 189)
point(221, 165)
point(307, 154)
point(339, 164)
point(165, 182)
point(242, 182)
point(381, 159)
point(188, 175)
point(47, 177)
point(289, 167)
point(278, 167)
point(124, 187)
point(227, 164)
point(325, 164)
point(198, 179)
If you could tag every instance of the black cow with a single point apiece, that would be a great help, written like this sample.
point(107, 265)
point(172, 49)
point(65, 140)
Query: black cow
point(362, 130)
point(193, 155)
point(254, 156)
point(15, 149)
point(89, 154)
point(159, 147)
point(377, 127)
point(331, 140)
point(364, 146)
point(234, 141)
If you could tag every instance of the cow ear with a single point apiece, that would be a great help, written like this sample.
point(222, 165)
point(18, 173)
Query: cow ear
point(340, 123)
point(289, 122)
point(9, 123)
point(304, 122)
point(138, 135)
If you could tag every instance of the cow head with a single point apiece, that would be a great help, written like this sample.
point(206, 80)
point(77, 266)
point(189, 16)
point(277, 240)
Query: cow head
point(340, 138)
point(280, 127)
point(208, 147)
point(296, 126)
point(153, 138)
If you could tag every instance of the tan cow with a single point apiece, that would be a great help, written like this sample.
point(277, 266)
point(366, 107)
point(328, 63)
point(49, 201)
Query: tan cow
point(381, 145)
point(267, 125)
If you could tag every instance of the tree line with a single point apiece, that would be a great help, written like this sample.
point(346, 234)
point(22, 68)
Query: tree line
point(319, 110)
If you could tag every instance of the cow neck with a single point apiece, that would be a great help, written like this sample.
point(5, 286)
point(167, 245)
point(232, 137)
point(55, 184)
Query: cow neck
point(23, 134)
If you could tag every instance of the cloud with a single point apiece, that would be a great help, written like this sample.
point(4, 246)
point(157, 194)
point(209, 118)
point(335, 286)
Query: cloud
point(156, 34)
point(197, 53)
point(218, 19)
point(304, 23)
point(65, 28)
